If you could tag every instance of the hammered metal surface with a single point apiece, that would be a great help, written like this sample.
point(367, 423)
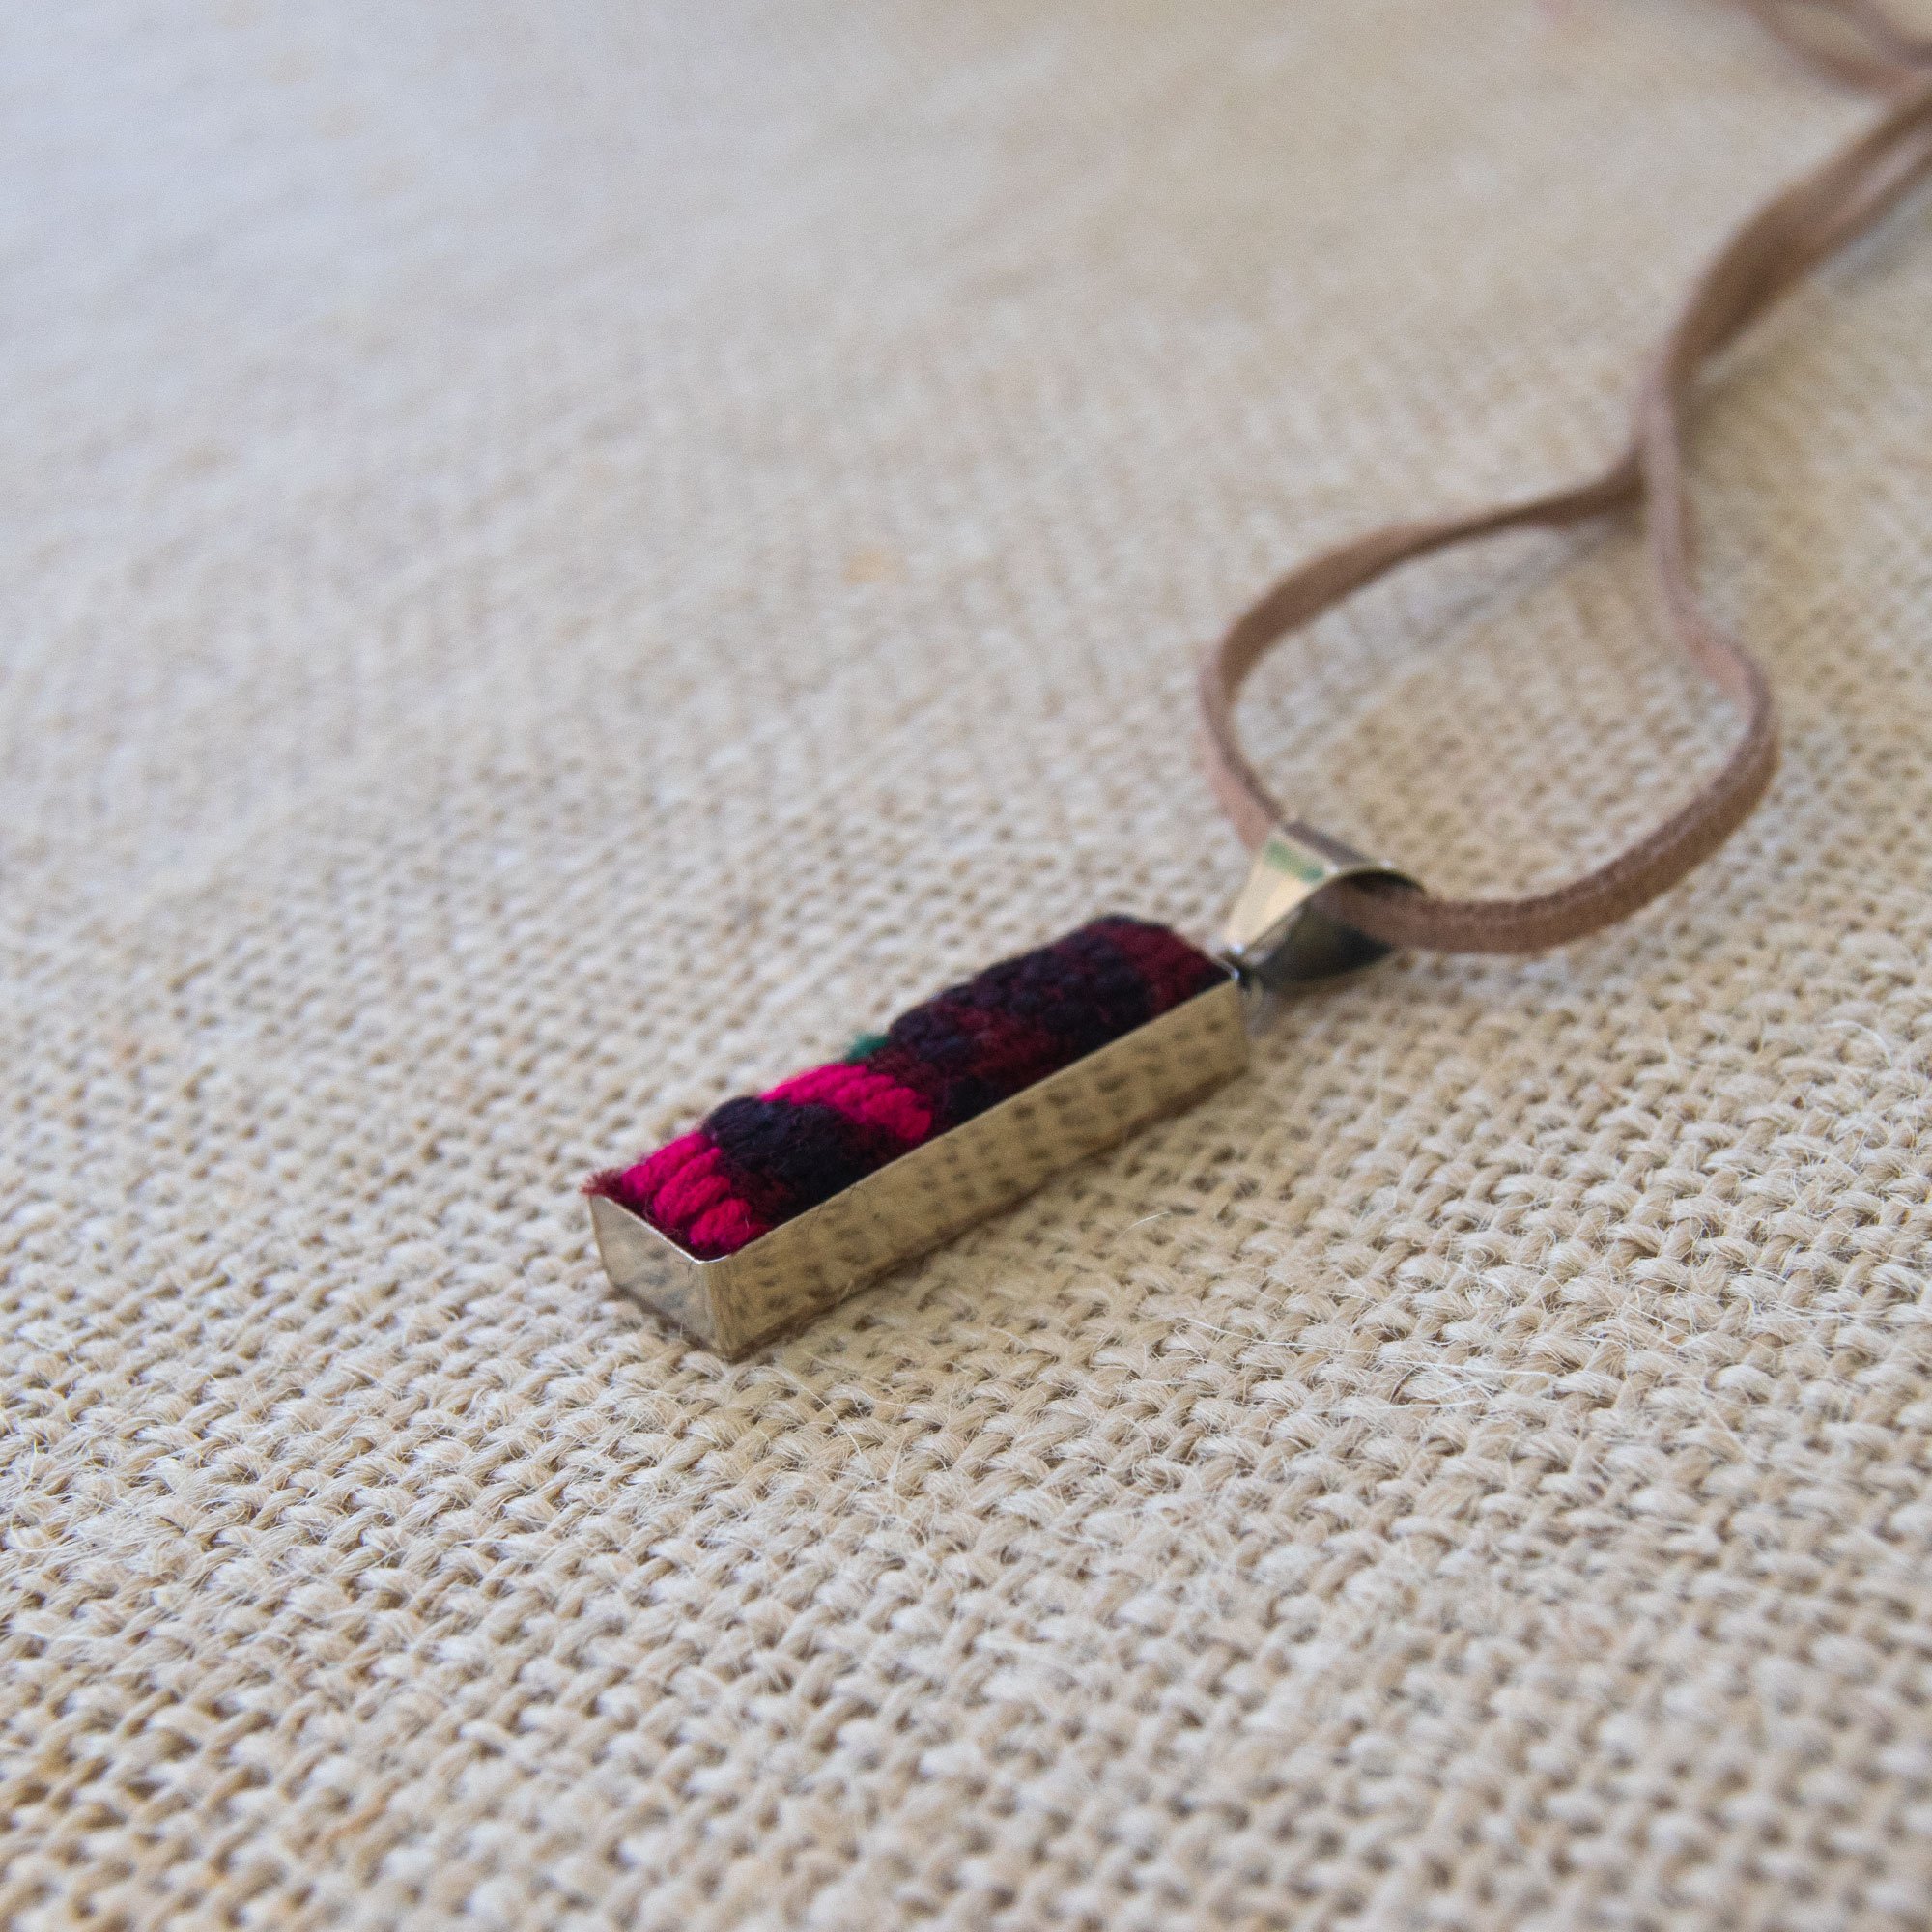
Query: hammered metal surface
point(807, 1265)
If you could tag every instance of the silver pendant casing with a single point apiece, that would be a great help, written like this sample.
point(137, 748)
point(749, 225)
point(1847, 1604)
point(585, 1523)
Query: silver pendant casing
point(1277, 936)
point(803, 1265)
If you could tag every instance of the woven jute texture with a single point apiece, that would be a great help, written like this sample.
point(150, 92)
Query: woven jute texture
point(558, 562)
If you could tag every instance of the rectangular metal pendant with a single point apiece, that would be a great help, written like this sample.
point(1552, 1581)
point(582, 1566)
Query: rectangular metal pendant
point(804, 1265)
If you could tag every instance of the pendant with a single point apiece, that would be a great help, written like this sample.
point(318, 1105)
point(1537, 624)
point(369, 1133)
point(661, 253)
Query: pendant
point(778, 1205)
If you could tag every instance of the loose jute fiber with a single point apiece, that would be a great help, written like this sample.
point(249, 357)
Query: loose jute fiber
point(557, 561)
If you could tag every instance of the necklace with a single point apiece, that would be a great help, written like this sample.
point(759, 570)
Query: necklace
point(778, 1204)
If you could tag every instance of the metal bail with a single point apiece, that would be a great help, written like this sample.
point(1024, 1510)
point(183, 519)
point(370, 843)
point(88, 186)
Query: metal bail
point(1277, 933)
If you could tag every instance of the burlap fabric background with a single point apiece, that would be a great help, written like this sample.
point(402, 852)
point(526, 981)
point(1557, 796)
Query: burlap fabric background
point(559, 560)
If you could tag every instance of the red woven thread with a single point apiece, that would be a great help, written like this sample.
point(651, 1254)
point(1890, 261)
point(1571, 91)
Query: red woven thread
point(758, 1161)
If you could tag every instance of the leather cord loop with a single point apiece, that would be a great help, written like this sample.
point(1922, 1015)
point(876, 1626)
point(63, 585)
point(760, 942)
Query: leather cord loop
point(1770, 254)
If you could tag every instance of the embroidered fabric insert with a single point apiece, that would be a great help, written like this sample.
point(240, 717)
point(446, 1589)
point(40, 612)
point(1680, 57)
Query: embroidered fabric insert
point(760, 1161)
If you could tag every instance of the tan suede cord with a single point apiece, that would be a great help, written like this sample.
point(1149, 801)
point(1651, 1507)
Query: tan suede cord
point(1777, 248)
